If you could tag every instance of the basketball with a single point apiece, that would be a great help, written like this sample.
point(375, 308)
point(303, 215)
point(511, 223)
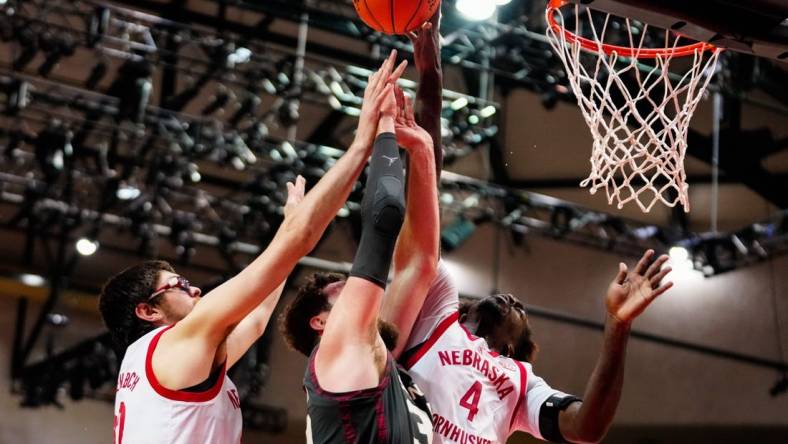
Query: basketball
point(395, 16)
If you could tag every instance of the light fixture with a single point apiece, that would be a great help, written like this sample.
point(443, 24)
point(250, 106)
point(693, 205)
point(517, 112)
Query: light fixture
point(476, 10)
point(86, 247)
point(32, 280)
point(127, 192)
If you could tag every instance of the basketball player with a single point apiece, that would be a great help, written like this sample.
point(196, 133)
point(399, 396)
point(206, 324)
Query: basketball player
point(355, 393)
point(172, 386)
point(473, 364)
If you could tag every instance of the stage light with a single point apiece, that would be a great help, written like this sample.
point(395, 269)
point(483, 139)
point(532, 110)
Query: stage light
point(459, 104)
point(240, 56)
point(86, 247)
point(487, 111)
point(32, 280)
point(127, 192)
point(476, 10)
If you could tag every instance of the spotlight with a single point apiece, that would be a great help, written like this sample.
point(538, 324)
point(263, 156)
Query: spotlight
point(86, 247)
point(32, 280)
point(28, 39)
point(133, 87)
point(52, 150)
point(56, 47)
point(476, 10)
point(127, 192)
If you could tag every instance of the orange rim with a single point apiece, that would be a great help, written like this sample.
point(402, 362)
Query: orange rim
point(622, 51)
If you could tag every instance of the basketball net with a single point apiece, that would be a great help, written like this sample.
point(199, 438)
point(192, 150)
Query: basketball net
point(638, 116)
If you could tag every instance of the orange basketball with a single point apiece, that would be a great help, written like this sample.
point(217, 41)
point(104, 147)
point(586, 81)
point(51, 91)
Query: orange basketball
point(395, 16)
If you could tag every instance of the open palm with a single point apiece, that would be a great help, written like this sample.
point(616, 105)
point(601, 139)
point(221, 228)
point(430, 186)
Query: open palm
point(409, 134)
point(632, 291)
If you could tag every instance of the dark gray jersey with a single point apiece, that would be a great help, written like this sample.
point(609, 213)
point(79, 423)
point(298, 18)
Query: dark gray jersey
point(394, 412)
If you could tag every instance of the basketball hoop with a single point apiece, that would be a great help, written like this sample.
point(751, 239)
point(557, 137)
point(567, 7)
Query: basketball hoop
point(638, 115)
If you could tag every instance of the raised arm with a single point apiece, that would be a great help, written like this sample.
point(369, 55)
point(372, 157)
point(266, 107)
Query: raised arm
point(629, 294)
point(351, 355)
point(249, 330)
point(429, 98)
point(190, 348)
point(417, 251)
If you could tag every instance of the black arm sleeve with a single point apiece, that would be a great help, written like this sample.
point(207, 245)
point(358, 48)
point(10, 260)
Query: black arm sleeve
point(548, 417)
point(382, 212)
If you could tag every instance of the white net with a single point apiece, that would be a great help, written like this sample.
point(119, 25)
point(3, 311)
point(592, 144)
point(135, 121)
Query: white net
point(638, 114)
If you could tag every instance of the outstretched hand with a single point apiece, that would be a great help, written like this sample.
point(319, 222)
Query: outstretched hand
point(295, 194)
point(379, 87)
point(426, 43)
point(409, 134)
point(632, 291)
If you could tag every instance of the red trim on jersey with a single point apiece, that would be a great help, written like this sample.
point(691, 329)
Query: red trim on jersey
point(178, 395)
point(436, 334)
point(523, 386)
point(473, 337)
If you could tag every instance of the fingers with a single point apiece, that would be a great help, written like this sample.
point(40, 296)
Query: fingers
point(660, 290)
point(656, 266)
point(655, 280)
point(400, 96)
point(300, 184)
point(622, 273)
point(409, 111)
point(394, 77)
point(643, 262)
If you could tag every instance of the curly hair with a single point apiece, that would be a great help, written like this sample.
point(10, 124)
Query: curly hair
point(119, 298)
point(308, 302)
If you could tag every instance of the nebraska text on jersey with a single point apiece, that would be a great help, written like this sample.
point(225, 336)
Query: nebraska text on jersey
point(501, 382)
point(475, 393)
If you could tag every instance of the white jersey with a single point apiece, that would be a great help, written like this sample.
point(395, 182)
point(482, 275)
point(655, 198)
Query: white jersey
point(476, 395)
point(148, 413)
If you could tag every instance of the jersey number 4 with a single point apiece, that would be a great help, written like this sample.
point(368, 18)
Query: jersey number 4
point(470, 400)
point(120, 422)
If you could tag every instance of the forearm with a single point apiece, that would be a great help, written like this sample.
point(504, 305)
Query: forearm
point(417, 250)
point(299, 233)
point(603, 390)
point(419, 237)
point(249, 330)
point(430, 104)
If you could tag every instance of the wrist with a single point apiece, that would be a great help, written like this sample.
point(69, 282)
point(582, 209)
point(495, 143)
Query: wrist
point(385, 124)
point(617, 324)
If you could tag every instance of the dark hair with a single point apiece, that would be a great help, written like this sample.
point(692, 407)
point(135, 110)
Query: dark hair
point(525, 348)
point(119, 298)
point(307, 303)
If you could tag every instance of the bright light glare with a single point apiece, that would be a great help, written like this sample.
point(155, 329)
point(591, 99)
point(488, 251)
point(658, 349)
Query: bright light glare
point(476, 9)
point(32, 280)
point(502, 2)
point(487, 111)
point(678, 254)
point(86, 247)
point(128, 193)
